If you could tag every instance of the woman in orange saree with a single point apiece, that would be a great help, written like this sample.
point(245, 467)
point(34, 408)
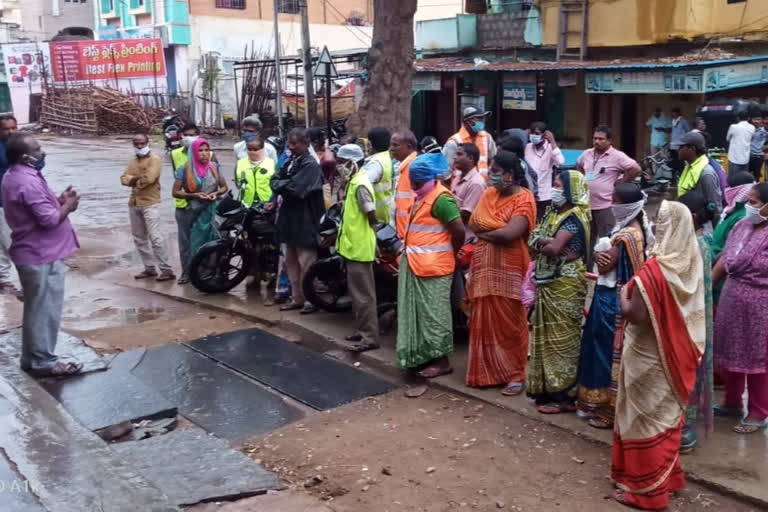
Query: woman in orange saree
point(664, 310)
point(498, 325)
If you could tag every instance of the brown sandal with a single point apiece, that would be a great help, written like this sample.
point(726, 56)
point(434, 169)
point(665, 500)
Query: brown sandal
point(598, 423)
point(145, 274)
point(58, 370)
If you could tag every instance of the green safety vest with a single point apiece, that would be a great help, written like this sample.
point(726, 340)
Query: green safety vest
point(180, 157)
point(357, 239)
point(256, 178)
point(383, 189)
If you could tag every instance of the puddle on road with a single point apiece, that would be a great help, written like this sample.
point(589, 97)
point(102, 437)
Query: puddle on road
point(112, 316)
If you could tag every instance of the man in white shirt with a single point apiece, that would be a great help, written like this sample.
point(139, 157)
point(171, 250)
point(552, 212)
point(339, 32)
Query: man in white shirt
point(739, 141)
point(542, 154)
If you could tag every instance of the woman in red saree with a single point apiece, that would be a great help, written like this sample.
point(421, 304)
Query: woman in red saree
point(665, 333)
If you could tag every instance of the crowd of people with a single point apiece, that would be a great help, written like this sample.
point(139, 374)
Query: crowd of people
point(492, 230)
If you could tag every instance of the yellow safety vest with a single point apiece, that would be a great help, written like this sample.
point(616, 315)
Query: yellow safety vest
point(256, 178)
point(357, 239)
point(383, 190)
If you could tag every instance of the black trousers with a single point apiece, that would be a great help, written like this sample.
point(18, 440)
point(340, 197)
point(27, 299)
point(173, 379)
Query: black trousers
point(756, 166)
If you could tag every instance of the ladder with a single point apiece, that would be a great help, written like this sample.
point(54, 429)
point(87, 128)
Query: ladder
point(570, 9)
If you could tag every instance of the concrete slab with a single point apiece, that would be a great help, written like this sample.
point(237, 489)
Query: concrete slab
point(15, 493)
point(103, 399)
point(191, 466)
point(215, 398)
point(729, 462)
point(68, 348)
point(68, 467)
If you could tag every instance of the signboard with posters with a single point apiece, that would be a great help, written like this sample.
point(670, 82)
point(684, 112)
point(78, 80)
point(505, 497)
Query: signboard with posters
point(26, 64)
point(89, 61)
point(735, 76)
point(519, 91)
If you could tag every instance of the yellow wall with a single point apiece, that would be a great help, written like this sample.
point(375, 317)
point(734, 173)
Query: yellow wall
point(645, 22)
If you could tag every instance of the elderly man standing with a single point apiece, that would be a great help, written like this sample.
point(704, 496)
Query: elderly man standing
point(300, 185)
point(472, 131)
point(143, 176)
point(8, 127)
point(42, 239)
point(356, 243)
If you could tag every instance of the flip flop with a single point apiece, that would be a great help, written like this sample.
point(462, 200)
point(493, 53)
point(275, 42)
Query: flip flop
point(58, 370)
point(416, 391)
point(556, 408)
point(600, 424)
point(363, 346)
point(513, 389)
point(750, 427)
point(145, 274)
point(432, 372)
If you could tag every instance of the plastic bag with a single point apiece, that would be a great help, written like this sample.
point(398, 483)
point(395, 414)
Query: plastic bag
point(528, 289)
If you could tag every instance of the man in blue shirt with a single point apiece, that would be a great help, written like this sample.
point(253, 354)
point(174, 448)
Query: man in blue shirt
point(8, 127)
point(756, 147)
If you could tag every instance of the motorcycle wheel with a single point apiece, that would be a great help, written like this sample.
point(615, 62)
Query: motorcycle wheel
point(218, 268)
point(329, 296)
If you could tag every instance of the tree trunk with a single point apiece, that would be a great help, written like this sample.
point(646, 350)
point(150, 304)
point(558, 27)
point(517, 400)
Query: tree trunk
point(386, 98)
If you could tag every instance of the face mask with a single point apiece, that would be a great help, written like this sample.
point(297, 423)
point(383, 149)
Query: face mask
point(141, 152)
point(478, 126)
point(558, 197)
point(535, 139)
point(626, 213)
point(753, 215)
point(188, 140)
point(425, 189)
point(35, 163)
point(247, 136)
point(346, 170)
point(496, 180)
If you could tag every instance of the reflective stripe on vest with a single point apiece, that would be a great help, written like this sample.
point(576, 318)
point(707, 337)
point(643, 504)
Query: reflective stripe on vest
point(382, 191)
point(428, 242)
point(179, 158)
point(404, 197)
point(357, 239)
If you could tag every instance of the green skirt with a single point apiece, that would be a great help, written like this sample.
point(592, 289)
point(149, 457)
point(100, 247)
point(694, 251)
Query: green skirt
point(424, 319)
point(552, 374)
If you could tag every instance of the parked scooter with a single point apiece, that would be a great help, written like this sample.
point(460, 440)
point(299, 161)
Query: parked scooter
point(658, 173)
point(247, 246)
point(325, 283)
point(172, 132)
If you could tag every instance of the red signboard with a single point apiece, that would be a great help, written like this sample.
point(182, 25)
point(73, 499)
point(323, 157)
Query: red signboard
point(84, 61)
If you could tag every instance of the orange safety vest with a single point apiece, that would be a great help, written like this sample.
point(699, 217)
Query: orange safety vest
point(428, 243)
point(482, 140)
point(404, 196)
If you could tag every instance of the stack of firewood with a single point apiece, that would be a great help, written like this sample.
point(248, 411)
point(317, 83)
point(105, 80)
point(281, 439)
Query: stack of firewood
point(118, 113)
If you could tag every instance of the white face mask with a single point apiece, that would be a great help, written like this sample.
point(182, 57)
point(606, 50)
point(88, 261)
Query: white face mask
point(753, 215)
point(142, 151)
point(535, 139)
point(558, 197)
point(188, 140)
point(346, 170)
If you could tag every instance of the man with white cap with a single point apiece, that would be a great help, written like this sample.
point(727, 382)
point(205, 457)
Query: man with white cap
point(356, 243)
point(472, 131)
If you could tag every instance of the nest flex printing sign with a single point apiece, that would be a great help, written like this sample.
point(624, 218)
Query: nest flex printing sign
point(84, 61)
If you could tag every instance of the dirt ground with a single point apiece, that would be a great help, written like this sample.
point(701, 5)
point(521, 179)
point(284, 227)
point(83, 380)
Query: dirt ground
point(442, 453)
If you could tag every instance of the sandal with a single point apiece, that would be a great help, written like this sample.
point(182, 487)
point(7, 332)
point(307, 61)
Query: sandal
point(308, 309)
point(363, 346)
point(513, 389)
point(601, 424)
point(750, 427)
point(145, 274)
point(354, 337)
point(184, 279)
point(728, 412)
point(165, 275)
point(432, 372)
point(291, 306)
point(416, 391)
point(58, 370)
point(621, 498)
point(558, 408)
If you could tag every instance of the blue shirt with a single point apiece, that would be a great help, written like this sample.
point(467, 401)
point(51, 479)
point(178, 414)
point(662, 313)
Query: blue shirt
point(679, 128)
point(758, 139)
point(3, 166)
point(659, 138)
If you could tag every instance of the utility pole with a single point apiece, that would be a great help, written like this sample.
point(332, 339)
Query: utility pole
point(306, 53)
point(278, 82)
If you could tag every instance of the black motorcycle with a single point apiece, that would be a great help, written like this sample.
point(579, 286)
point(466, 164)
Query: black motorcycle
point(325, 283)
point(247, 246)
point(172, 132)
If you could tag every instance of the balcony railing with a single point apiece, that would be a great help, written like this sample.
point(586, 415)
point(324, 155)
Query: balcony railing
point(230, 4)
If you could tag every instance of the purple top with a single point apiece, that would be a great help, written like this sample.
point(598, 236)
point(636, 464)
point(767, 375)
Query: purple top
point(39, 235)
point(721, 176)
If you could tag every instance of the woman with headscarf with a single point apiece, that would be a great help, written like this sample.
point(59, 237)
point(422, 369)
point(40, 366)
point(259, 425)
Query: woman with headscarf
point(665, 332)
point(498, 326)
point(617, 258)
point(741, 343)
point(698, 414)
point(433, 236)
point(560, 244)
point(200, 184)
point(736, 196)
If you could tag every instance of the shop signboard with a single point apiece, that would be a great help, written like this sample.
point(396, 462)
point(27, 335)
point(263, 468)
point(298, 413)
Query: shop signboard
point(426, 82)
point(26, 64)
point(86, 61)
point(735, 76)
point(645, 82)
point(519, 92)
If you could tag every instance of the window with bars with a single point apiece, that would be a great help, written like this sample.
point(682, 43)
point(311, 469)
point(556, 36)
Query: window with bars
point(288, 6)
point(230, 4)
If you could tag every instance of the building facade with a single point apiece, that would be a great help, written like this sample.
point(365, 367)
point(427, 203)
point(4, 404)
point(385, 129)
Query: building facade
point(42, 20)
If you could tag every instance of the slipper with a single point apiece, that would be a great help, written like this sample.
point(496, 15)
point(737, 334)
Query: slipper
point(432, 372)
point(728, 412)
point(165, 276)
point(513, 389)
point(600, 424)
point(145, 274)
point(621, 498)
point(58, 370)
point(750, 427)
point(291, 306)
point(308, 309)
point(416, 391)
point(363, 346)
point(354, 337)
point(556, 408)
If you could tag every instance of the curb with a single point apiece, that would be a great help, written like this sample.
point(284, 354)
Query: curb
point(312, 338)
